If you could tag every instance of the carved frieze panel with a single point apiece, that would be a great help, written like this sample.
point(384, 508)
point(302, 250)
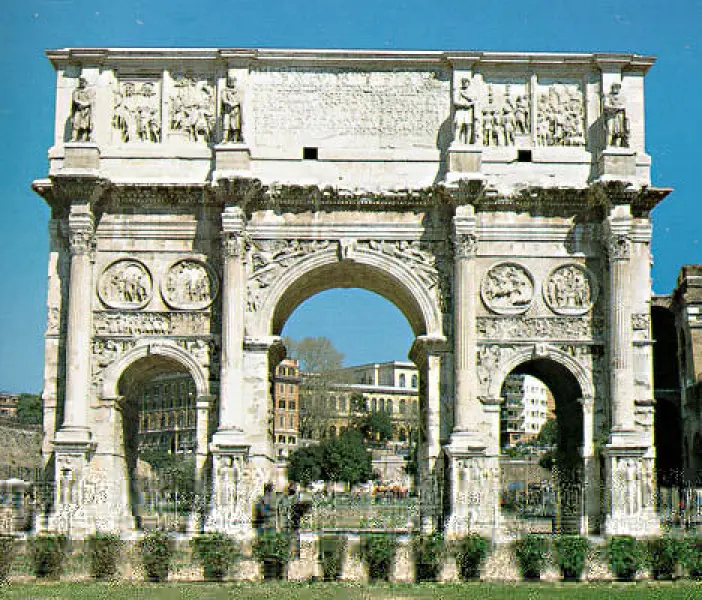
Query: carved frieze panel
point(189, 285)
point(192, 108)
point(641, 321)
point(507, 288)
point(125, 284)
point(575, 328)
point(570, 290)
point(136, 115)
point(505, 113)
point(117, 323)
point(560, 113)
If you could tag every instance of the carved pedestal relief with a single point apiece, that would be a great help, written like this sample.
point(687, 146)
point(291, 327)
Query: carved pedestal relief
point(137, 111)
point(507, 289)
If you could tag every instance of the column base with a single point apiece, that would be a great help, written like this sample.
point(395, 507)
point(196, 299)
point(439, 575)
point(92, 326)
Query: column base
point(616, 164)
point(232, 159)
point(81, 158)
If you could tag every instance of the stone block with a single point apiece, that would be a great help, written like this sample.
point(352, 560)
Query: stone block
point(615, 163)
point(232, 157)
point(465, 160)
point(82, 156)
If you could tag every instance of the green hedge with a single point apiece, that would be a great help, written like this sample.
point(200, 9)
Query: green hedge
point(7, 556)
point(663, 556)
point(156, 555)
point(273, 550)
point(429, 553)
point(530, 552)
point(378, 553)
point(48, 555)
point(331, 555)
point(470, 552)
point(569, 553)
point(692, 556)
point(625, 555)
point(216, 552)
point(104, 551)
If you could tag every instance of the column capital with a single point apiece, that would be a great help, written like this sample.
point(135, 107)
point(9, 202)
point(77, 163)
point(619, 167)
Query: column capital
point(617, 232)
point(81, 230)
point(587, 402)
point(425, 346)
point(465, 245)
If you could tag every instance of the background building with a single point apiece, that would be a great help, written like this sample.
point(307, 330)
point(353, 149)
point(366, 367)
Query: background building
point(286, 408)
point(528, 404)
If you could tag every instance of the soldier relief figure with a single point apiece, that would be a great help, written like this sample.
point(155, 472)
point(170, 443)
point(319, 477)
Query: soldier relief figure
point(136, 113)
point(82, 112)
point(616, 122)
point(189, 284)
point(504, 121)
point(466, 120)
point(231, 111)
point(192, 109)
point(507, 289)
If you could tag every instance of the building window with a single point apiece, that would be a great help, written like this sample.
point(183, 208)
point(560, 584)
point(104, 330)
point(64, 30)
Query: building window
point(291, 404)
point(388, 405)
point(374, 403)
point(281, 403)
point(403, 407)
point(402, 380)
point(414, 381)
point(281, 421)
point(382, 405)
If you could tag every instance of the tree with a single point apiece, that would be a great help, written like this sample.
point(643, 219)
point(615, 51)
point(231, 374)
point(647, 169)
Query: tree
point(339, 459)
point(305, 465)
point(320, 363)
point(548, 435)
point(357, 403)
point(29, 409)
point(376, 426)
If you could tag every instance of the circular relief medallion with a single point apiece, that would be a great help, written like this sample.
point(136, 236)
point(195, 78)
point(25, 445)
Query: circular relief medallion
point(570, 290)
point(125, 284)
point(507, 289)
point(189, 284)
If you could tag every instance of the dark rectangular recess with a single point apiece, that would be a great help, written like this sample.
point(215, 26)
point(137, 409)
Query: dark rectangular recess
point(309, 153)
point(523, 155)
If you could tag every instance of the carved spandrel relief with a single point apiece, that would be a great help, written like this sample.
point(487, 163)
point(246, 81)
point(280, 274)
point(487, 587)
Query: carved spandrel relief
point(189, 285)
point(560, 114)
point(82, 104)
point(150, 323)
point(575, 328)
point(570, 290)
point(641, 321)
point(192, 108)
point(507, 288)
point(125, 284)
point(137, 111)
point(505, 114)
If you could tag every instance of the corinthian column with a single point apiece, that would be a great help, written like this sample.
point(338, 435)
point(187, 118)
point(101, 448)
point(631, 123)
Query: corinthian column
point(82, 245)
point(231, 417)
point(620, 342)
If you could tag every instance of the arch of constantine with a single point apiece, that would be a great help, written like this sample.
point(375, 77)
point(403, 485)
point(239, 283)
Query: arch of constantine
point(500, 200)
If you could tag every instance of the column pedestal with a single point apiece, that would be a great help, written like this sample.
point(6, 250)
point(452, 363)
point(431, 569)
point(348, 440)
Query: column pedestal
point(233, 492)
point(464, 162)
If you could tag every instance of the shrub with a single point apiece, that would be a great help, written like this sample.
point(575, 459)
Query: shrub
point(331, 555)
point(378, 552)
point(625, 556)
point(471, 550)
point(530, 552)
point(48, 554)
point(569, 552)
point(104, 550)
point(663, 556)
point(272, 550)
point(156, 553)
point(692, 556)
point(429, 552)
point(7, 544)
point(216, 552)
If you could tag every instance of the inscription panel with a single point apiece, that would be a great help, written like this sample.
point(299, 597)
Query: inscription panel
point(371, 107)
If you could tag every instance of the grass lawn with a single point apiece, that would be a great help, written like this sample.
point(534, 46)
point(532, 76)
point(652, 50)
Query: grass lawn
point(329, 591)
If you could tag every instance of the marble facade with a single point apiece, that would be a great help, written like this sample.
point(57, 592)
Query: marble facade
point(500, 200)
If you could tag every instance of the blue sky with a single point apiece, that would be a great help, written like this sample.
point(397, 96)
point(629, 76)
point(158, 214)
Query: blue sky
point(362, 326)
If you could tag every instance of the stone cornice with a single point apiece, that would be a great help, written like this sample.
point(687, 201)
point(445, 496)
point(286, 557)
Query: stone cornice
point(97, 56)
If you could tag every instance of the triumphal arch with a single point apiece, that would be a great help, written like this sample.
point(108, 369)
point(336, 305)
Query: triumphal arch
point(500, 200)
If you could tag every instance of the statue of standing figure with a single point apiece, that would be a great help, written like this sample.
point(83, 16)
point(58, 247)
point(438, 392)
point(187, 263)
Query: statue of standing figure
point(616, 123)
point(82, 112)
point(231, 111)
point(465, 121)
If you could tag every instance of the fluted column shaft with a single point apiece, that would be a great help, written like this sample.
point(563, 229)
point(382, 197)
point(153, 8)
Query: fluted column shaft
point(79, 322)
point(233, 308)
point(620, 331)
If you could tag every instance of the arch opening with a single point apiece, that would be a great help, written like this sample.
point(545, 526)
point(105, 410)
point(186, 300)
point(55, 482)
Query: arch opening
point(364, 390)
point(541, 435)
point(159, 436)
